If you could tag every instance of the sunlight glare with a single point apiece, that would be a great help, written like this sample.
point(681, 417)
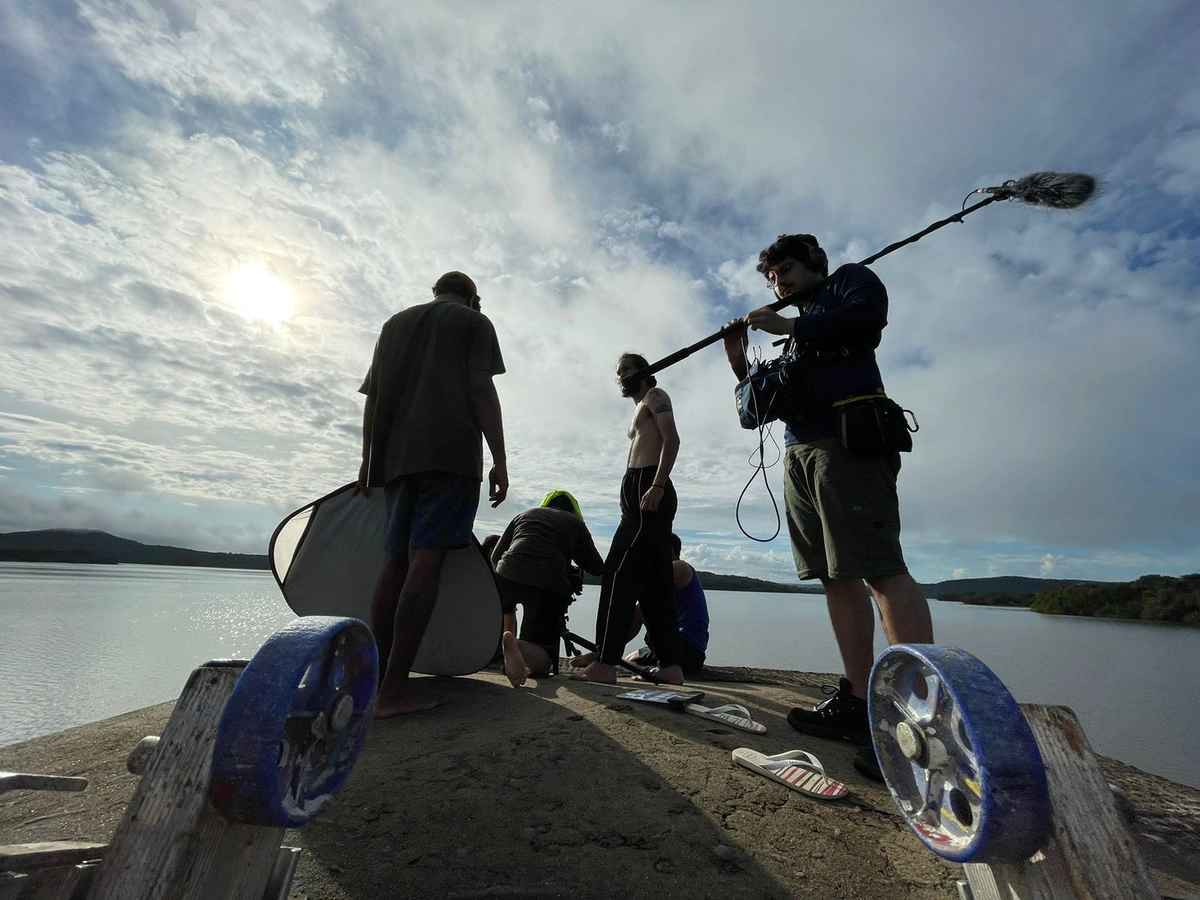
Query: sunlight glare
point(257, 294)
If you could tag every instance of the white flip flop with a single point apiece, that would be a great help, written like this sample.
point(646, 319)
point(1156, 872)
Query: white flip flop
point(796, 769)
point(729, 714)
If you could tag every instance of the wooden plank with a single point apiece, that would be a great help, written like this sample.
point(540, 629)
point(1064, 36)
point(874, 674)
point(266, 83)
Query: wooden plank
point(1095, 847)
point(1090, 855)
point(26, 781)
point(57, 883)
point(282, 873)
point(241, 866)
point(27, 857)
point(155, 847)
point(1042, 877)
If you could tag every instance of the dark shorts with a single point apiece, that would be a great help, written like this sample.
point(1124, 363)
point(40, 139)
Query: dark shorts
point(543, 611)
point(843, 514)
point(430, 511)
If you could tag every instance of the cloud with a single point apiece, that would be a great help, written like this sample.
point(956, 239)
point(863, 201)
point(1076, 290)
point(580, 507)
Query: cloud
point(203, 529)
point(262, 53)
point(609, 188)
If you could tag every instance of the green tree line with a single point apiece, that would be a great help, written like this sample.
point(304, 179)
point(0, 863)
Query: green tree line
point(1152, 598)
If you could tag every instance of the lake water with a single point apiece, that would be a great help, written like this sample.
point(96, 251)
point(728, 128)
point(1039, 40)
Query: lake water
point(80, 643)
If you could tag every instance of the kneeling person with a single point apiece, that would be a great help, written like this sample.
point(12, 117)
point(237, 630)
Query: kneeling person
point(533, 568)
point(691, 607)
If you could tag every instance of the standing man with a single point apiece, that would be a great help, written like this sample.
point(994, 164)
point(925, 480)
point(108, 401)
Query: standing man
point(842, 510)
point(637, 571)
point(430, 397)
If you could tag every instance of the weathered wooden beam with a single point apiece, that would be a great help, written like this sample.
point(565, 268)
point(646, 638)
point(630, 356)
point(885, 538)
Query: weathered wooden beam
point(26, 781)
point(1090, 855)
point(169, 833)
point(173, 844)
point(26, 857)
point(55, 883)
point(282, 872)
point(241, 866)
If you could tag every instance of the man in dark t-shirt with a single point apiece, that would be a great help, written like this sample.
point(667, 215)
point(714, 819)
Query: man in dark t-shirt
point(430, 403)
point(533, 568)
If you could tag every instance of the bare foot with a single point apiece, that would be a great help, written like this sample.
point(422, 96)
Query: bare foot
point(669, 675)
point(514, 662)
point(408, 703)
point(598, 673)
point(583, 660)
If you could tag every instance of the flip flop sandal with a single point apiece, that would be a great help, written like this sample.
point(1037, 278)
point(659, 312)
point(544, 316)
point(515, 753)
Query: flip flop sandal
point(796, 769)
point(729, 714)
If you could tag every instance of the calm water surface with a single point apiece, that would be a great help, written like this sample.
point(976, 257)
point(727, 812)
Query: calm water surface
point(80, 643)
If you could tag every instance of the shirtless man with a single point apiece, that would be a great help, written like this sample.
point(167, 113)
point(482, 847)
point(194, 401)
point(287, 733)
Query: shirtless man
point(638, 571)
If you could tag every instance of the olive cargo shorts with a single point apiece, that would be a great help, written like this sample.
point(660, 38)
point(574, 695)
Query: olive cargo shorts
point(843, 515)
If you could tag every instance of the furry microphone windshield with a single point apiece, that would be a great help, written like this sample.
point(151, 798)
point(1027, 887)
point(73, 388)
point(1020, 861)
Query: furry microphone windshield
point(1055, 190)
point(1049, 190)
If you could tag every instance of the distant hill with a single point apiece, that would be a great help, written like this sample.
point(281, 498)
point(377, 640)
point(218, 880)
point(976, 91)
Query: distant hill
point(1015, 585)
point(714, 582)
point(83, 546)
point(1001, 584)
point(1152, 598)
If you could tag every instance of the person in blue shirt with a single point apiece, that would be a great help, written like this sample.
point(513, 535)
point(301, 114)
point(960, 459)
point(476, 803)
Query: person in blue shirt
point(843, 514)
point(692, 610)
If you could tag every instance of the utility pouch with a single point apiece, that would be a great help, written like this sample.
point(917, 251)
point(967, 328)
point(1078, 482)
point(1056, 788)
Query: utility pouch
point(874, 424)
point(771, 390)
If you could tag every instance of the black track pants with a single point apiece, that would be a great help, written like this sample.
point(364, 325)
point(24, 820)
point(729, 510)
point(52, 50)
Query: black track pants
point(638, 570)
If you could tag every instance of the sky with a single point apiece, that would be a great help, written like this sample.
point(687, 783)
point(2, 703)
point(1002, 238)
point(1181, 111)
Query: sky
point(207, 210)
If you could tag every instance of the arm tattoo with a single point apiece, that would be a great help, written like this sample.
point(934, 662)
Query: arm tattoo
point(658, 401)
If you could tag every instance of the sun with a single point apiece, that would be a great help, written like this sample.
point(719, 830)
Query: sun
point(257, 294)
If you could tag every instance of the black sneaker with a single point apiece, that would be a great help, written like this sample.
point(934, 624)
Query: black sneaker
point(843, 717)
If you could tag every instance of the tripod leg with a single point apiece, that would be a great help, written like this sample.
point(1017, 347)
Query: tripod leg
point(566, 639)
point(645, 673)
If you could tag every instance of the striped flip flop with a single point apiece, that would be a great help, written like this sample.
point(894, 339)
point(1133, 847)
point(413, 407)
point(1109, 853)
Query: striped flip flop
point(797, 769)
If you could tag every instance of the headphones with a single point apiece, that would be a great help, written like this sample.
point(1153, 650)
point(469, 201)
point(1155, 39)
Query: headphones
point(812, 257)
point(815, 258)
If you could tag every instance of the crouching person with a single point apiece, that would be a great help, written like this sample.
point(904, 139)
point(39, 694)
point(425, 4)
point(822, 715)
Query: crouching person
point(534, 570)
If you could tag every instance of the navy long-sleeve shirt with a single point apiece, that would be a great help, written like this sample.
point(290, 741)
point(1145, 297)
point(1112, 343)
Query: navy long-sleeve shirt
point(849, 312)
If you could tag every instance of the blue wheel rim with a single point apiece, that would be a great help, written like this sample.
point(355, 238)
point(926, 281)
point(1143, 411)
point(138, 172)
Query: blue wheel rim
point(960, 761)
point(295, 722)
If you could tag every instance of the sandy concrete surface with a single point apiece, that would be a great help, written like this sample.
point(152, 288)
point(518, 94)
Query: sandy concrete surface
point(564, 790)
